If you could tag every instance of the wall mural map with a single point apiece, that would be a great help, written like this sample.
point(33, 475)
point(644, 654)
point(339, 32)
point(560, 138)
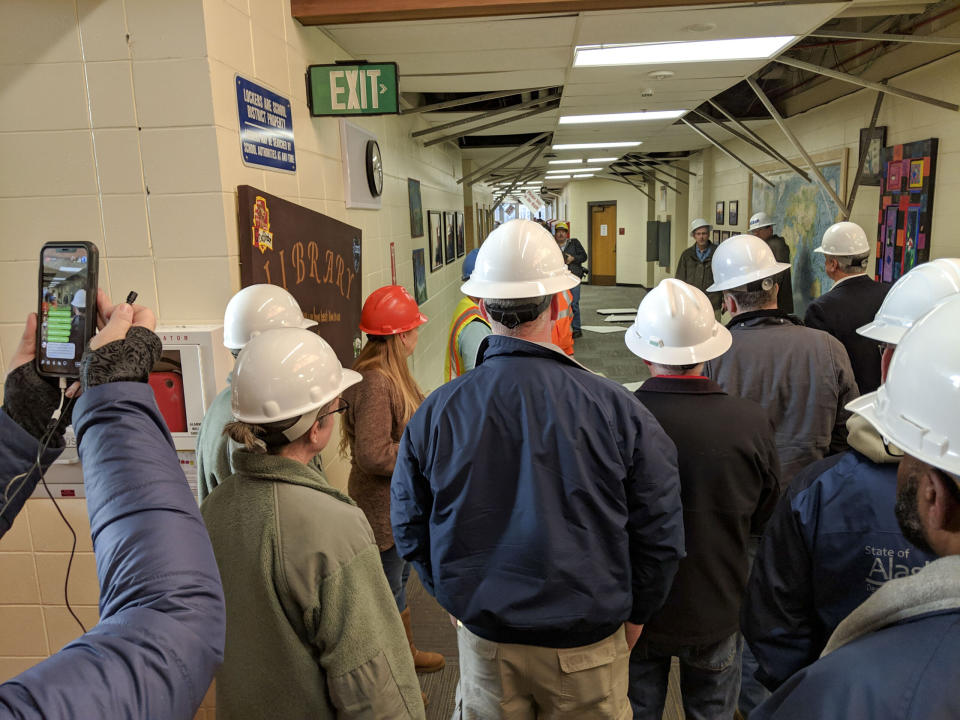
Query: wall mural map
point(802, 212)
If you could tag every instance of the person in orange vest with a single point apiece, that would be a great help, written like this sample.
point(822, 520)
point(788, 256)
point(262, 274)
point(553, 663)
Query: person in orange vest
point(562, 332)
point(468, 328)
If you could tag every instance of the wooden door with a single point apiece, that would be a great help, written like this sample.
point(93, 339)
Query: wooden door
point(603, 244)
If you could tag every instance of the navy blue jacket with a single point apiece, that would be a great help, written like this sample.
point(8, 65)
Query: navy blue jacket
point(18, 453)
point(539, 502)
point(832, 541)
point(161, 630)
point(906, 671)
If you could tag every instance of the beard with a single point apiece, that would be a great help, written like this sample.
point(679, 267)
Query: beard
point(908, 517)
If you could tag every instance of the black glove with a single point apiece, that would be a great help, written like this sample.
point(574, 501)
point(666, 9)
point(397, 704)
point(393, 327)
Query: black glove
point(128, 360)
point(30, 400)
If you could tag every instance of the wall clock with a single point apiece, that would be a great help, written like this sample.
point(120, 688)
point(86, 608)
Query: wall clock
point(374, 168)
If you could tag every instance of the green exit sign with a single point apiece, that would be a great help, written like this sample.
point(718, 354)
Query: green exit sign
point(363, 89)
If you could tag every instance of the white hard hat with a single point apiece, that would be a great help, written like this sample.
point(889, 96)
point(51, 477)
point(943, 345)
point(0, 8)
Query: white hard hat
point(258, 308)
point(844, 238)
point(759, 220)
point(741, 260)
point(918, 407)
point(519, 260)
point(79, 298)
point(676, 326)
point(284, 374)
point(699, 223)
point(913, 296)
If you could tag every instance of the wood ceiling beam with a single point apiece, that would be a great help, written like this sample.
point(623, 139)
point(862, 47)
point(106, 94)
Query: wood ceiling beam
point(336, 12)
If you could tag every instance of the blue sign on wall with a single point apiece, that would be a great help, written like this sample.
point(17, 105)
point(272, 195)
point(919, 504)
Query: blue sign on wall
point(266, 127)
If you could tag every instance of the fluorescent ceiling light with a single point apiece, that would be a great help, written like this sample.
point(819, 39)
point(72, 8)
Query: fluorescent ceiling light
point(589, 169)
point(584, 175)
point(564, 162)
point(559, 177)
point(587, 146)
point(681, 52)
point(622, 117)
point(601, 160)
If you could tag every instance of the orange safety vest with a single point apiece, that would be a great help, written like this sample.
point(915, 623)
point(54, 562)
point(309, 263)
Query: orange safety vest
point(562, 332)
point(466, 312)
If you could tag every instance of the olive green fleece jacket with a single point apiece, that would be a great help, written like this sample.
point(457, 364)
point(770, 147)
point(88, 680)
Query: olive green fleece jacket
point(312, 627)
point(215, 450)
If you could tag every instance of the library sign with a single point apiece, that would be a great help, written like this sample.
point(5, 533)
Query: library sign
point(266, 127)
point(361, 89)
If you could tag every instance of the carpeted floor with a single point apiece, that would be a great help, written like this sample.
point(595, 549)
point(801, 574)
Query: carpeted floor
point(603, 353)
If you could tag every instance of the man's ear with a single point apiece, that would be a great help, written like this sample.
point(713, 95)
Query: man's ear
point(554, 307)
point(483, 309)
point(943, 510)
point(729, 303)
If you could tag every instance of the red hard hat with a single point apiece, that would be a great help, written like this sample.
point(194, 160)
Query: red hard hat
point(390, 310)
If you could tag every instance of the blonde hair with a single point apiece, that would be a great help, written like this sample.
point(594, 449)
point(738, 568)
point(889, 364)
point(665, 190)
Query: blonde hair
point(267, 438)
point(384, 354)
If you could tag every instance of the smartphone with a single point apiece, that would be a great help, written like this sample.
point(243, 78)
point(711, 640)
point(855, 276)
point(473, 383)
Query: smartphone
point(67, 306)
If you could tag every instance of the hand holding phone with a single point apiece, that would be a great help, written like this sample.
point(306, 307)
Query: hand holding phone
point(67, 306)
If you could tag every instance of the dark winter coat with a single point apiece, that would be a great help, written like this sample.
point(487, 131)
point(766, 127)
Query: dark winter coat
point(781, 251)
point(539, 502)
point(801, 376)
point(832, 542)
point(574, 248)
point(850, 304)
point(699, 273)
point(728, 486)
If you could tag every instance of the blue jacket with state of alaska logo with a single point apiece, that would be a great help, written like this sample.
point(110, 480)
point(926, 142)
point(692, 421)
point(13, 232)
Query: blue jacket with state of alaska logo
point(539, 502)
point(832, 541)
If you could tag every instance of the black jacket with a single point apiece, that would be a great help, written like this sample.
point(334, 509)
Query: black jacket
point(574, 248)
point(728, 488)
point(840, 312)
point(781, 251)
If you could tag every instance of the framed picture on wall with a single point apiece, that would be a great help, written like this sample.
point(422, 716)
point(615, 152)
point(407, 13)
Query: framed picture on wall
point(461, 238)
point(916, 173)
point(419, 277)
point(734, 217)
point(449, 237)
point(716, 237)
point(416, 208)
point(719, 219)
point(724, 235)
point(435, 228)
point(871, 145)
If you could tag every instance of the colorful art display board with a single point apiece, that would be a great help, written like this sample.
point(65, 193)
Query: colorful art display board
point(906, 207)
point(316, 258)
point(802, 211)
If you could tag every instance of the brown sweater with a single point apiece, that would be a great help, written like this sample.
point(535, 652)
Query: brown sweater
point(375, 415)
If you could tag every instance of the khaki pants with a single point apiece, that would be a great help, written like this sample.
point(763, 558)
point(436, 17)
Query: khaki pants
point(524, 682)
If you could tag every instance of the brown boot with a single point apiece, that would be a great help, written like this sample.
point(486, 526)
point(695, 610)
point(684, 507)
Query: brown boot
point(423, 661)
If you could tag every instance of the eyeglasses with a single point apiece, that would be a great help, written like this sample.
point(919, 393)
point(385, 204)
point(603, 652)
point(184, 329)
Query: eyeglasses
point(882, 347)
point(891, 449)
point(344, 406)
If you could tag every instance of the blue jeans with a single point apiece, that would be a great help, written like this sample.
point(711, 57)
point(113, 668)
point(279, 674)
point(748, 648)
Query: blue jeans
point(397, 571)
point(752, 693)
point(709, 678)
point(575, 307)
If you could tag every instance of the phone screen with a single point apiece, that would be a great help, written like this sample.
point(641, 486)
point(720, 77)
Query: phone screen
point(63, 308)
